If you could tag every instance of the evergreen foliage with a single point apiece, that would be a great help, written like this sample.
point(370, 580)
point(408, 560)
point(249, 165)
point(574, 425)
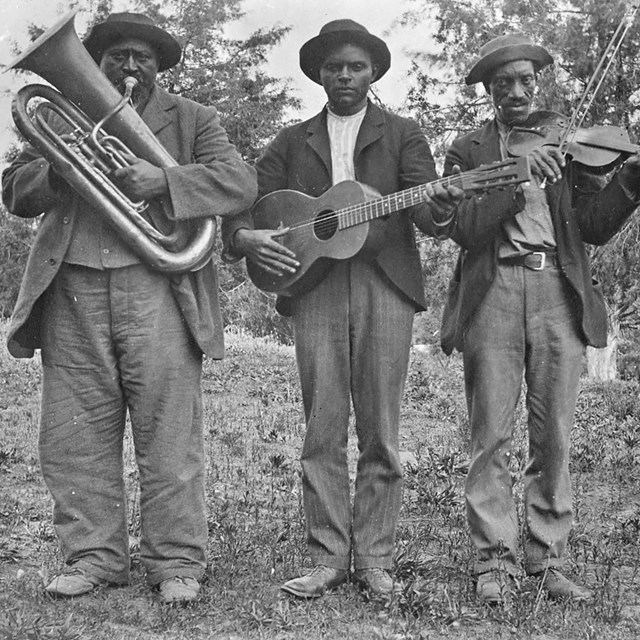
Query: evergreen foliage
point(215, 70)
point(577, 33)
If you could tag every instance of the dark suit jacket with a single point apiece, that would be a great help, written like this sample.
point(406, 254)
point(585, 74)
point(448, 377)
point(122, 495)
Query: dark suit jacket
point(391, 154)
point(212, 179)
point(582, 212)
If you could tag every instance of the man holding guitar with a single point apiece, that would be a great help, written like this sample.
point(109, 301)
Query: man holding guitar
point(352, 323)
point(522, 300)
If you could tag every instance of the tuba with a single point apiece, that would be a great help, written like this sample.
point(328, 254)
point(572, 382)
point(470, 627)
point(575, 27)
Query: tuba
point(86, 155)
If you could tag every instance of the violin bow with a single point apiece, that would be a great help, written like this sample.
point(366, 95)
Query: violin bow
point(597, 78)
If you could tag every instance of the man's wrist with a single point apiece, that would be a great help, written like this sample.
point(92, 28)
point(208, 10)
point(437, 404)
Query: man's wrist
point(235, 242)
point(444, 223)
point(630, 184)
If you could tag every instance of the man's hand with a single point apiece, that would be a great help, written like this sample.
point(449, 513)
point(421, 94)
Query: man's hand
point(260, 246)
point(141, 180)
point(630, 174)
point(443, 200)
point(547, 163)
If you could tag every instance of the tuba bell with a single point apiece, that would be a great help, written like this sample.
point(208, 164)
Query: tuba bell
point(85, 156)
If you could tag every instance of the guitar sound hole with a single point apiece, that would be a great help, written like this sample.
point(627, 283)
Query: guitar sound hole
point(325, 225)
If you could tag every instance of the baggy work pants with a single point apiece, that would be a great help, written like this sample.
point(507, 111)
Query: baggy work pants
point(111, 341)
point(352, 337)
point(525, 324)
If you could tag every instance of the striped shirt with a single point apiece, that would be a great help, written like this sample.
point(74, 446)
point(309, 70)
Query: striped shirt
point(343, 132)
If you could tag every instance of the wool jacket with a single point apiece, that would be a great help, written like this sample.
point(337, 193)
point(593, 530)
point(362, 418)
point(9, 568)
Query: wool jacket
point(391, 154)
point(211, 180)
point(581, 210)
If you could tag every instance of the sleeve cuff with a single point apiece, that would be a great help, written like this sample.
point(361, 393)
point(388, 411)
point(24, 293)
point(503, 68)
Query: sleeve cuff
point(230, 253)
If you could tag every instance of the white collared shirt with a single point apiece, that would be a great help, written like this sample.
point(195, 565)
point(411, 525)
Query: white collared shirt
point(343, 133)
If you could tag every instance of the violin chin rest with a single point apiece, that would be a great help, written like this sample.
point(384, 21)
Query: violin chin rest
point(601, 169)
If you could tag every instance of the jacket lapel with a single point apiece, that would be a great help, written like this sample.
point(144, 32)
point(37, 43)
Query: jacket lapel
point(370, 130)
point(486, 144)
point(318, 139)
point(160, 110)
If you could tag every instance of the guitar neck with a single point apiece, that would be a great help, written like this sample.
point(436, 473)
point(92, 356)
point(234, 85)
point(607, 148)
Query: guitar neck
point(380, 207)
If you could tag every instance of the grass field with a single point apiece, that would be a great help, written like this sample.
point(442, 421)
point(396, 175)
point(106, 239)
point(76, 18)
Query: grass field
point(254, 428)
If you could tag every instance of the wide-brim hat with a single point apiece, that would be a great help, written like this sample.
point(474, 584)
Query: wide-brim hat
point(133, 25)
point(503, 49)
point(336, 33)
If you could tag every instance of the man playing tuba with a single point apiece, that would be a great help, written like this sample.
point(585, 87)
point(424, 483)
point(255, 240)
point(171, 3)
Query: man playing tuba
point(117, 335)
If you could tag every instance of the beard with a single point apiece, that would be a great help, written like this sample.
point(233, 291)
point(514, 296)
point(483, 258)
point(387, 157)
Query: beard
point(140, 93)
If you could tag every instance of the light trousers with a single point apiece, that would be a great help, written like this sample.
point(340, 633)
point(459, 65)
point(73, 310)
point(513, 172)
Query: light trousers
point(114, 341)
point(526, 324)
point(352, 340)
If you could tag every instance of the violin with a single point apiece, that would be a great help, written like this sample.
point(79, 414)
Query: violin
point(600, 147)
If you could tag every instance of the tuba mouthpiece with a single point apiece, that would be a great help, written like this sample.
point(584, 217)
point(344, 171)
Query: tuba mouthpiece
point(130, 83)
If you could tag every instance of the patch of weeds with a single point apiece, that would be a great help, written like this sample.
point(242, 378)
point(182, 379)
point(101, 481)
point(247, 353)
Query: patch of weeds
point(9, 456)
point(20, 623)
point(261, 614)
point(433, 485)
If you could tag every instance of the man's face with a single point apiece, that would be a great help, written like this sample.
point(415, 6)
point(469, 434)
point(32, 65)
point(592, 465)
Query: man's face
point(346, 74)
point(512, 87)
point(131, 57)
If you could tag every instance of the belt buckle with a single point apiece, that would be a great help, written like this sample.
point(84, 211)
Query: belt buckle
point(543, 260)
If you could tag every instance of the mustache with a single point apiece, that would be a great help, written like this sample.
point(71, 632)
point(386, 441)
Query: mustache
point(143, 83)
point(140, 92)
point(517, 103)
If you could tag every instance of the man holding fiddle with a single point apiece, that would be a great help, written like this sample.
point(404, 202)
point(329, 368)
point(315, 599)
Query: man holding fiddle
point(117, 335)
point(522, 300)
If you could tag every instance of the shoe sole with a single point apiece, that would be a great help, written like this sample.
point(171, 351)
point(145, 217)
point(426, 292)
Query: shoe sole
point(61, 594)
point(310, 596)
point(303, 594)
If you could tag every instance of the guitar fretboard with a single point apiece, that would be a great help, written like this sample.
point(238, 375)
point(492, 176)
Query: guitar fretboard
point(371, 210)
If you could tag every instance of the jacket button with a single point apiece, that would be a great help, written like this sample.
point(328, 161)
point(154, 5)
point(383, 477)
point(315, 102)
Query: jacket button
point(65, 220)
point(52, 260)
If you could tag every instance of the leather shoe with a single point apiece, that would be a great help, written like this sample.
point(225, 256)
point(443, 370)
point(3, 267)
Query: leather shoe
point(375, 581)
point(559, 586)
point(494, 587)
point(75, 582)
point(179, 590)
point(316, 583)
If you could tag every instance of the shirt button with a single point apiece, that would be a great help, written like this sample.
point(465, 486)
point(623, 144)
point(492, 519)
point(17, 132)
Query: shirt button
point(105, 251)
point(65, 220)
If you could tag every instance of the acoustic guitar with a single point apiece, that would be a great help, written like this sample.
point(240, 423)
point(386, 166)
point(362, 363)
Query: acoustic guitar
point(337, 225)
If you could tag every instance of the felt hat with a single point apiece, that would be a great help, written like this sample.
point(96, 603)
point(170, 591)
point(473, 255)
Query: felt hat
point(338, 32)
point(503, 49)
point(133, 25)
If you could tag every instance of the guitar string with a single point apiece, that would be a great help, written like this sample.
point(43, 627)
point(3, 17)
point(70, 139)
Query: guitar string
point(341, 214)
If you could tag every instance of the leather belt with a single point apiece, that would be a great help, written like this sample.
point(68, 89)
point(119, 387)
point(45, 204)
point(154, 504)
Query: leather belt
point(536, 261)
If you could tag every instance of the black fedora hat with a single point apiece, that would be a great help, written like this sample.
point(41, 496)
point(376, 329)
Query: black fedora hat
point(133, 25)
point(337, 32)
point(503, 49)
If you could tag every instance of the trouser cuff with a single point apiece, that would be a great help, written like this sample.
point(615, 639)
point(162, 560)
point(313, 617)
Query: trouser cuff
point(533, 567)
point(109, 576)
point(496, 564)
point(155, 578)
point(372, 562)
point(342, 563)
